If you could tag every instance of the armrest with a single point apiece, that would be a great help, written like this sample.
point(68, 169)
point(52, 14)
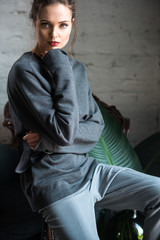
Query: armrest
point(122, 121)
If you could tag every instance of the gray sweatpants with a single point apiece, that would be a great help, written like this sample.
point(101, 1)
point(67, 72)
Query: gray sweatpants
point(117, 188)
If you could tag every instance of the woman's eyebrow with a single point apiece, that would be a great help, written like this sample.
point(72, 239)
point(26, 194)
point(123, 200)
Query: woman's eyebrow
point(64, 21)
point(43, 20)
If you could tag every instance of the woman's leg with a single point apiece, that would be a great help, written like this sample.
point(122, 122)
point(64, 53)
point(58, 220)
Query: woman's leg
point(122, 188)
point(73, 218)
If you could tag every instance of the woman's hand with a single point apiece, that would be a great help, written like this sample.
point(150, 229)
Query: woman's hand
point(32, 139)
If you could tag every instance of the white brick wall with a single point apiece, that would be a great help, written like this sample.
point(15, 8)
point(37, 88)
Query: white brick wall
point(118, 40)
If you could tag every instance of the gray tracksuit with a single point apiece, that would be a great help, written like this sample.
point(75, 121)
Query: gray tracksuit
point(52, 97)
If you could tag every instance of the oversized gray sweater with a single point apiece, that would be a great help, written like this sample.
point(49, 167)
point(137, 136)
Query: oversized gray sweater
point(52, 96)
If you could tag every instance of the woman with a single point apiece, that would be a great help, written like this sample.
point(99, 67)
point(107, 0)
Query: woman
point(49, 93)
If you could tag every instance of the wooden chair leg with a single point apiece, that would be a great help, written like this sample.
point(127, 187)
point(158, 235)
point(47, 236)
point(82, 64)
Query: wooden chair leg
point(48, 233)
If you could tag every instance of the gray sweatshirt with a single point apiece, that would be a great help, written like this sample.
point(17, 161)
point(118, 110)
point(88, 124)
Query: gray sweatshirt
point(52, 96)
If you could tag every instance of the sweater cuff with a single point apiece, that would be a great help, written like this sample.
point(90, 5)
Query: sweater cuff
point(54, 58)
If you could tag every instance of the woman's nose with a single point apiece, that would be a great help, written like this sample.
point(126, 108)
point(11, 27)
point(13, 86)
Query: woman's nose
point(53, 33)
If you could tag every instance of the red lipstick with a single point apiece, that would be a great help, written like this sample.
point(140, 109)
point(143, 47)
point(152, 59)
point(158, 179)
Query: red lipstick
point(53, 43)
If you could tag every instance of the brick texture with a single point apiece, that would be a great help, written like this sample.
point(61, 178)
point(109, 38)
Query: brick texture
point(118, 40)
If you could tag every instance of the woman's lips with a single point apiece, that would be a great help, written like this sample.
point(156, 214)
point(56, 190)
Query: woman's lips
point(53, 43)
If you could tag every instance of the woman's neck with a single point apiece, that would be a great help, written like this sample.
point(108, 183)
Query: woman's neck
point(36, 50)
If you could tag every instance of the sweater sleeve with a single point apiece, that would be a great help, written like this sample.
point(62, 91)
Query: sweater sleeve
point(56, 114)
point(91, 127)
point(87, 134)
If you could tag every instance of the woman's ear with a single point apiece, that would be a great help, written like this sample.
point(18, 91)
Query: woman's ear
point(73, 23)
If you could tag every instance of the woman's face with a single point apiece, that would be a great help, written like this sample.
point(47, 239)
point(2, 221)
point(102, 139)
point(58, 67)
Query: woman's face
point(53, 27)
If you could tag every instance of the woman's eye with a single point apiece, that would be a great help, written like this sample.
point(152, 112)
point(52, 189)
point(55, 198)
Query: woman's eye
point(45, 24)
point(63, 25)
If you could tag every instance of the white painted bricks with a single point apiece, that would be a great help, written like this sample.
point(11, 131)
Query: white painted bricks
point(118, 40)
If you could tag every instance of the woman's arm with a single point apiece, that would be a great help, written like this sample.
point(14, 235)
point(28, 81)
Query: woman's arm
point(87, 134)
point(53, 116)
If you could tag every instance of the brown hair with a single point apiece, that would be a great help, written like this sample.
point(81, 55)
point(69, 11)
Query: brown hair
point(37, 5)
